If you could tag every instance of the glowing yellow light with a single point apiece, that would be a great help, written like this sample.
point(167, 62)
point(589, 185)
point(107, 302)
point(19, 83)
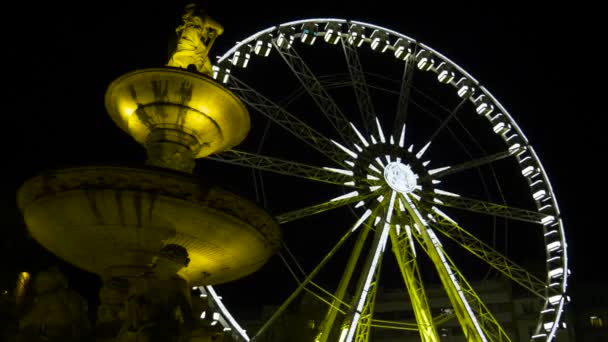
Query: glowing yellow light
point(128, 110)
point(343, 334)
point(211, 114)
point(22, 281)
point(596, 322)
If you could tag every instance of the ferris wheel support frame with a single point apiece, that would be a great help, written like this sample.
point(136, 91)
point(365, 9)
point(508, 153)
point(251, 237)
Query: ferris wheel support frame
point(472, 314)
point(330, 316)
point(406, 260)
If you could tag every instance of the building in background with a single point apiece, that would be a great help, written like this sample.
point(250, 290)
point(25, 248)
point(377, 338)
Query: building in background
point(590, 312)
point(517, 313)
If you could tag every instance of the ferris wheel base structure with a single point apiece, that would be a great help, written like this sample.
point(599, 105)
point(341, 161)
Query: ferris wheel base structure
point(408, 192)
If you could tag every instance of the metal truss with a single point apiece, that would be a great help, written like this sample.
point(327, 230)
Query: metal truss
point(303, 284)
point(330, 316)
point(475, 163)
point(366, 286)
point(488, 208)
point(406, 260)
point(338, 303)
point(404, 96)
point(314, 88)
point(364, 327)
point(327, 298)
point(445, 121)
point(476, 320)
point(364, 100)
point(319, 208)
point(492, 257)
point(316, 290)
point(286, 120)
point(384, 324)
point(492, 329)
point(280, 166)
point(442, 318)
point(328, 82)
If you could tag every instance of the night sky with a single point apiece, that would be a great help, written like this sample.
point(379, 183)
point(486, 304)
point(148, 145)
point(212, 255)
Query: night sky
point(539, 62)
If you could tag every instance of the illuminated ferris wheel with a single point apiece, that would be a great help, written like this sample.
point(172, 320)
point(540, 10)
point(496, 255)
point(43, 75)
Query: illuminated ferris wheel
point(436, 171)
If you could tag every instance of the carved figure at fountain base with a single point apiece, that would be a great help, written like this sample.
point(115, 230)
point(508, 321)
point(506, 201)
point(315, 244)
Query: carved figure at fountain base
point(57, 312)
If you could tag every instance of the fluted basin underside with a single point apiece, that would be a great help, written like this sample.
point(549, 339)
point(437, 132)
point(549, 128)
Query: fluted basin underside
point(212, 117)
point(102, 218)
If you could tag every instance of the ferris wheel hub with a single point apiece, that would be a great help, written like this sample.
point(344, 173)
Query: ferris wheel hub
point(400, 177)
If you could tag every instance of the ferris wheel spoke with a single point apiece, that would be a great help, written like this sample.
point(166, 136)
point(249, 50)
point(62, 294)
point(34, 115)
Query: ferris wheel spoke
point(280, 166)
point(372, 262)
point(436, 117)
point(286, 120)
point(318, 93)
point(360, 164)
point(323, 297)
point(335, 203)
point(448, 227)
point(404, 95)
point(327, 81)
point(362, 333)
point(365, 217)
point(489, 208)
point(445, 122)
point(453, 134)
point(448, 170)
point(477, 322)
point(385, 324)
point(404, 252)
point(335, 302)
point(492, 330)
point(364, 99)
point(330, 317)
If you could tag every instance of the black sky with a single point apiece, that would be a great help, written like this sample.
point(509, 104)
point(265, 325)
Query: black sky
point(539, 62)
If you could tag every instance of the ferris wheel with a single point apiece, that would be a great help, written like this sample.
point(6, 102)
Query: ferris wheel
point(437, 173)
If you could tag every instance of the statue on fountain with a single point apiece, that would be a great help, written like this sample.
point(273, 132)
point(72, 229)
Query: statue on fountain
point(57, 313)
point(195, 35)
point(157, 306)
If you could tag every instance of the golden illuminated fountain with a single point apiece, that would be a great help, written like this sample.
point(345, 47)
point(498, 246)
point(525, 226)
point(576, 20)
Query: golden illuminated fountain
point(153, 232)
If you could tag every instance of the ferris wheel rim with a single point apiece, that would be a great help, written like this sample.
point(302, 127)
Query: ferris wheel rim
point(492, 100)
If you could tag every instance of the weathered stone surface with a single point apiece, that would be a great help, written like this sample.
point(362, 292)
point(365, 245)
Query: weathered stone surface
point(57, 313)
point(100, 218)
